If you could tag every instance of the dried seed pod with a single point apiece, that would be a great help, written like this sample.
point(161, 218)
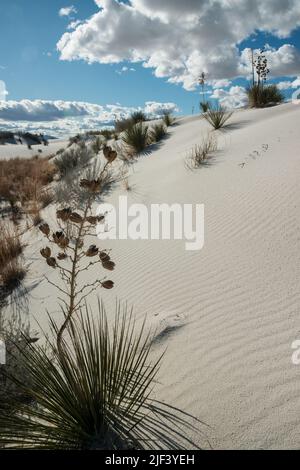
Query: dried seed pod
point(45, 229)
point(92, 251)
point(94, 220)
point(63, 214)
point(110, 265)
point(61, 256)
point(64, 243)
point(76, 218)
point(107, 284)
point(93, 186)
point(51, 262)
point(57, 237)
point(104, 257)
point(46, 252)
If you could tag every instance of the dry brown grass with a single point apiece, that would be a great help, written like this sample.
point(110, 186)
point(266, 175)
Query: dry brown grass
point(201, 153)
point(12, 270)
point(22, 180)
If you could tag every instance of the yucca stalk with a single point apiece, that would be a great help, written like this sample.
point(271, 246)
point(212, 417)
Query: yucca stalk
point(99, 396)
point(69, 242)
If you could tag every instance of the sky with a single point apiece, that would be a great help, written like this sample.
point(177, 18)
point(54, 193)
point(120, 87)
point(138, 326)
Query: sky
point(72, 66)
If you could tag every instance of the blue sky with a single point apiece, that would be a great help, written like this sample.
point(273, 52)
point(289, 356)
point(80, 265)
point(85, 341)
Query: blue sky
point(32, 69)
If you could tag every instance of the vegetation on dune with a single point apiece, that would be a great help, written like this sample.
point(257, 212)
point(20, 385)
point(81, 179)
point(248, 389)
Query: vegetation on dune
point(22, 182)
point(138, 116)
point(157, 132)
point(217, 116)
point(201, 153)
point(136, 137)
point(168, 119)
point(12, 269)
point(259, 94)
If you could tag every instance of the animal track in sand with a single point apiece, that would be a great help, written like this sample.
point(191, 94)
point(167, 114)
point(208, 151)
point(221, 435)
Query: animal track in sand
point(255, 153)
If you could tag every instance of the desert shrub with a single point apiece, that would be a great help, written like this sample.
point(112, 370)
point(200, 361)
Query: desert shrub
point(46, 197)
point(217, 116)
point(98, 395)
point(12, 270)
point(158, 132)
point(136, 137)
point(97, 145)
point(22, 180)
point(260, 96)
point(123, 124)
point(69, 189)
point(16, 335)
point(200, 154)
point(75, 158)
point(138, 116)
point(168, 119)
point(12, 275)
point(204, 106)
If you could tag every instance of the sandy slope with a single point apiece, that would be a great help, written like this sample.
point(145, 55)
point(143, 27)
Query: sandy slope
point(228, 313)
point(22, 151)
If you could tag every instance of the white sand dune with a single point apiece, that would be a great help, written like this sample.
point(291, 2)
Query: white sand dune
point(229, 313)
point(8, 151)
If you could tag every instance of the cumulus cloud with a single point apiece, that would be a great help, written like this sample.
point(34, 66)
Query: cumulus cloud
point(181, 39)
point(284, 61)
point(152, 108)
point(220, 83)
point(67, 11)
point(236, 97)
point(3, 91)
point(287, 84)
point(68, 117)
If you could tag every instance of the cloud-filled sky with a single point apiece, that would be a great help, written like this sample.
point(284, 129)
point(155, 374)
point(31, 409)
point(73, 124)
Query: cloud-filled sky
point(66, 64)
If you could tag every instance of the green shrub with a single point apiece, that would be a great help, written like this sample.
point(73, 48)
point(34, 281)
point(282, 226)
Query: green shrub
point(260, 96)
point(168, 118)
point(136, 137)
point(158, 132)
point(204, 106)
point(138, 116)
point(217, 117)
point(97, 395)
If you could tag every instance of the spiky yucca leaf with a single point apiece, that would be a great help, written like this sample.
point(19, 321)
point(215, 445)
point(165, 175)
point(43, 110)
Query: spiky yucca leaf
point(260, 96)
point(217, 117)
point(96, 396)
point(158, 132)
point(136, 137)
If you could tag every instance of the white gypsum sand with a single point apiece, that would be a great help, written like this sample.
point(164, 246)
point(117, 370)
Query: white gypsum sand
point(229, 313)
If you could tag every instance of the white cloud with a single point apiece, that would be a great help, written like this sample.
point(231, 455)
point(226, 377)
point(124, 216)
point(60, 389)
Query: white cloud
point(67, 11)
point(125, 69)
point(284, 61)
point(74, 24)
point(220, 83)
point(287, 85)
point(236, 97)
point(180, 39)
point(3, 91)
point(152, 108)
point(67, 117)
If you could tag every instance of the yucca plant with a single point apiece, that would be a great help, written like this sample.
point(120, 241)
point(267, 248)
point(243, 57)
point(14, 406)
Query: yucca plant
point(204, 106)
point(217, 116)
point(136, 137)
point(158, 132)
point(99, 396)
point(168, 118)
point(260, 95)
point(138, 116)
